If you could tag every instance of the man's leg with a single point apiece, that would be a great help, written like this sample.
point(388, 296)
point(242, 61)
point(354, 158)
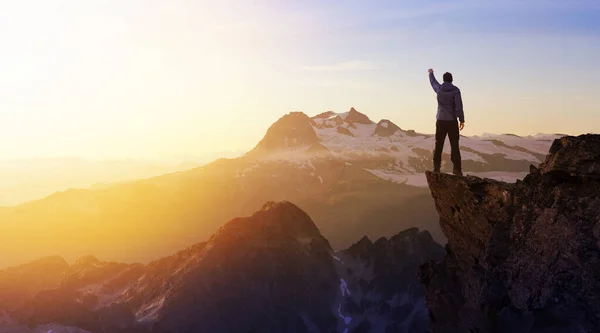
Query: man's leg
point(454, 136)
point(440, 137)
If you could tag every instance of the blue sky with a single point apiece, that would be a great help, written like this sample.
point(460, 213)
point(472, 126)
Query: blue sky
point(150, 78)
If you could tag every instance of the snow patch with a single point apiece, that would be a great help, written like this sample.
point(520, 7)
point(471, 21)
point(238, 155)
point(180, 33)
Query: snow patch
point(419, 180)
point(344, 288)
point(242, 173)
point(405, 147)
point(148, 312)
point(347, 320)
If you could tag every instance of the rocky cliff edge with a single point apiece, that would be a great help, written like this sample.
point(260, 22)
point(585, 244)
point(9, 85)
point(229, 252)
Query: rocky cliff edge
point(524, 256)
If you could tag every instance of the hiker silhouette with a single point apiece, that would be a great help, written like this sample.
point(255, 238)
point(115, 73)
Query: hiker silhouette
point(450, 107)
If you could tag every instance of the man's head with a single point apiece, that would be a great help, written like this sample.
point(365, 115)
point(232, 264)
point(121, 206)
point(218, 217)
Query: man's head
point(447, 77)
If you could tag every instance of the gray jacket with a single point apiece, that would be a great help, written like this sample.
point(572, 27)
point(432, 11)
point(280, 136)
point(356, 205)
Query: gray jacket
point(450, 104)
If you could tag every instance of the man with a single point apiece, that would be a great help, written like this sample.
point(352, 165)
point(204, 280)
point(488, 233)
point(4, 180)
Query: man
point(450, 107)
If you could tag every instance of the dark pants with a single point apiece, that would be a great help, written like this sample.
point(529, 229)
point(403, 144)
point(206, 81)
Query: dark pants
point(450, 128)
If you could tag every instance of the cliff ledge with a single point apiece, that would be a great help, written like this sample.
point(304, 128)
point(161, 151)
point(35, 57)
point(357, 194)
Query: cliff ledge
point(521, 257)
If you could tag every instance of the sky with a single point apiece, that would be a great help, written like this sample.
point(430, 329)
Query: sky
point(148, 78)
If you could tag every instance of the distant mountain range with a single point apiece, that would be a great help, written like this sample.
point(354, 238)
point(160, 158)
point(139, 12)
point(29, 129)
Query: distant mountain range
point(270, 272)
point(353, 176)
point(397, 154)
point(23, 180)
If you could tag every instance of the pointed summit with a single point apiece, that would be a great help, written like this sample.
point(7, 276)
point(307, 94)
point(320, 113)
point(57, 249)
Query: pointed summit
point(283, 220)
point(293, 130)
point(357, 117)
point(386, 128)
point(278, 250)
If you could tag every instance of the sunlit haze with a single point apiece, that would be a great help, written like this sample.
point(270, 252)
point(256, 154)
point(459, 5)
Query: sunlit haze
point(116, 79)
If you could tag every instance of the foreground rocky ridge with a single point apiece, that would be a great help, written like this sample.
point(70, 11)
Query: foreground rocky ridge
point(270, 272)
point(521, 257)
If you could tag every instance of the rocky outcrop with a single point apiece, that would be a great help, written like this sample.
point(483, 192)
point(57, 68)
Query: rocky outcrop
point(386, 128)
point(522, 257)
point(385, 294)
point(357, 117)
point(344, 131)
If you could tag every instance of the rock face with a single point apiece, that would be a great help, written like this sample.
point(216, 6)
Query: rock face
point(344, 131)
point(385, 295)
point(521, 257)
point(386, 128)
point(357, 117)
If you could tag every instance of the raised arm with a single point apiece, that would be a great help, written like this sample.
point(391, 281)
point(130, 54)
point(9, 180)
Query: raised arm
point(434, 83)
point(458, 106)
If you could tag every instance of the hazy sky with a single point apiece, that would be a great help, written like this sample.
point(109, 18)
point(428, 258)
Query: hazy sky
point(133, 78)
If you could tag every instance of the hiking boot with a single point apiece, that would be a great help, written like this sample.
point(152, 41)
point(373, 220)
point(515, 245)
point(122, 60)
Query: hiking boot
point(457, 173)
point(436, 170)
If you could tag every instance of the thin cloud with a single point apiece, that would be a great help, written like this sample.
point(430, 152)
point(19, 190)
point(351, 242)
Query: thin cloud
point(353, 65)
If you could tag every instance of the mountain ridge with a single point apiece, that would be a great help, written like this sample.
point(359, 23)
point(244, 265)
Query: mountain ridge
point(272, 271)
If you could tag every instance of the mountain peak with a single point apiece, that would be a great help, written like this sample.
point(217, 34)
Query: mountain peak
point(529, 248)
point(290, 220)
point(386, 128)
point(276, 252)
point(357, 117)
point(293, 130)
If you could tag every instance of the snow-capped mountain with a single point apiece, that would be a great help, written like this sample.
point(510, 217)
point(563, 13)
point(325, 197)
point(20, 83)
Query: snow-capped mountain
point(272, 271)
point(393, 153)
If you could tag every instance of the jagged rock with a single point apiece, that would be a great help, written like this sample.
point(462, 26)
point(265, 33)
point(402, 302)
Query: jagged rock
point(386, 128)
point(361, 249)
point(344, 130)
point(338, 120)
point(383, 281)
point(412, 133)
point(574, 156)
point(357, 117)
point(521, 257)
